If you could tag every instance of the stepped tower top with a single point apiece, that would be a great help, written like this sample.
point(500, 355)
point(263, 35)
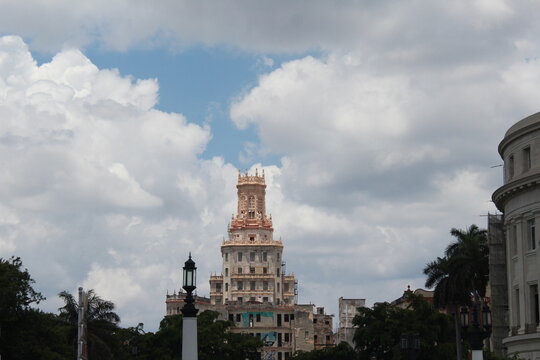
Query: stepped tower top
point(251, 209)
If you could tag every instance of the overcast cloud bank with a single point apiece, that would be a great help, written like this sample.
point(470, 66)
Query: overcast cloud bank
point(386, 141)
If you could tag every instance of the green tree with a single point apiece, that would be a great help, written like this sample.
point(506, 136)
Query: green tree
point(17, 293)
point(167, 342)
point(460, 275)
point(101, 320)
point(379, 330)
point(216, 341)
point(448, 293)
point(342, 351)
point(470, 257)
point(135, 343)
point(38, 335)
point(27, 333)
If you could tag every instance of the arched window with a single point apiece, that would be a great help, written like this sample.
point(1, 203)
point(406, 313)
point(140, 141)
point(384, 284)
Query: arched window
point(252, 202)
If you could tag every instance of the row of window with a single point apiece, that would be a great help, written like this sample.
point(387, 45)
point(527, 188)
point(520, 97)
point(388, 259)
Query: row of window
point(240, 299)
point(530, 236)
point(252, 270)
point(286, 338)
point(253, 286)
point(525, 162)
point(251, 202)
point(252, 256)
point(238, 318)
point(316, 338)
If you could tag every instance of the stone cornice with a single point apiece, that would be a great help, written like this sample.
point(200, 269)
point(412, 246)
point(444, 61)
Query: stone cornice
point(515, 134)
point(240, 243)
point(523, 183)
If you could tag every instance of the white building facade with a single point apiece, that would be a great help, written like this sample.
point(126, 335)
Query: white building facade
point(519, 200)
point(348, 309)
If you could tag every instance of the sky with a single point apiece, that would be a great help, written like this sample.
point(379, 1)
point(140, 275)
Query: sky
point(123, 125)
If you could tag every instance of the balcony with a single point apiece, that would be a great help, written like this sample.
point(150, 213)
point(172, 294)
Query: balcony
point(256, 292)
point(252, 276)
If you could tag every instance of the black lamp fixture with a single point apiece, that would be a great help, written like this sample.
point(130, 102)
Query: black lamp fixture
point(480, 326)
point(190, 275)
point(189, 284)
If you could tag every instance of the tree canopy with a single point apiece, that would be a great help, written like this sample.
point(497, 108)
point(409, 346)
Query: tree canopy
point(215, 340)
point(342, 351)
point(17, 292)
point(27, 333)
point(101, 321)
point(461, 275)
point(380, 329)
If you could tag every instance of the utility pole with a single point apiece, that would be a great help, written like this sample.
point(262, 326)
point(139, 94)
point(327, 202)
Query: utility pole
point(82, 349)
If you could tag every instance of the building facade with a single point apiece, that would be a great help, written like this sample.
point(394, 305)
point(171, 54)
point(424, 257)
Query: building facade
point(253, 269)
point(175, 301)
point(254, 290)
point(348, 309)
point(519, 200)
point(323, 333)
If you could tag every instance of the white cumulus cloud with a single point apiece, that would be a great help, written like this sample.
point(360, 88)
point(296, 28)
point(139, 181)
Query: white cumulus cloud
point(90, 185)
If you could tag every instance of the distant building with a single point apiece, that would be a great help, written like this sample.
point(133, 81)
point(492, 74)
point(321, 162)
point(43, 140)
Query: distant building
point(322, 329)
point(253, 268)
point(253, 290)
point(519, 200)
point(404, 301)
point(175, 302)
point(348, 308)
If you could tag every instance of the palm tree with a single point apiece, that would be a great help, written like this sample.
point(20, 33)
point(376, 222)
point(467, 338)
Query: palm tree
point(470, 254)
point(461, 274)
point(448, 292)
point(101, 321)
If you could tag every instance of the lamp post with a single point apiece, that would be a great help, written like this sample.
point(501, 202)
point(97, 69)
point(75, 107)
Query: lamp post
point(189, 323)
point(480, 329)
point(410, 344)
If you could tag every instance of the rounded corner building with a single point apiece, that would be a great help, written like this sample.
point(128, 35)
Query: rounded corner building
point(519, 200)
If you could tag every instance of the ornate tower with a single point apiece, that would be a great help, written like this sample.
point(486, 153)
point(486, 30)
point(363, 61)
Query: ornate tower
point(253, 270)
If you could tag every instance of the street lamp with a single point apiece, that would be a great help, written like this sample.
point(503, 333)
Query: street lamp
point(478, 331)
point(190, 275)
point(189, 312)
